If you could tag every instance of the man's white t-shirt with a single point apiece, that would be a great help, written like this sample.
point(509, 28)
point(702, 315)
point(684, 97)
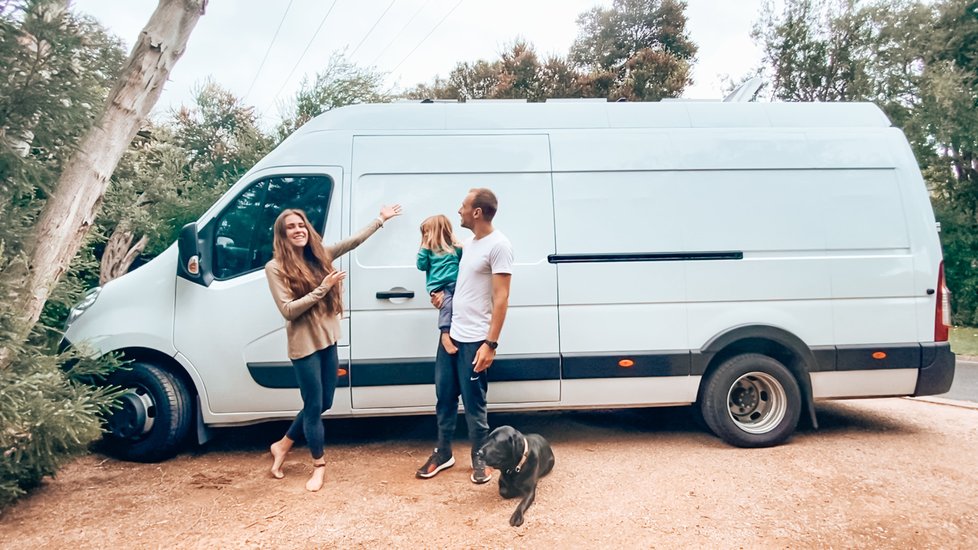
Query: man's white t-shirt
point(472, 302)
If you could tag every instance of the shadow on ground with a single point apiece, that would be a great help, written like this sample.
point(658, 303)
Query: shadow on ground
point(591, 425)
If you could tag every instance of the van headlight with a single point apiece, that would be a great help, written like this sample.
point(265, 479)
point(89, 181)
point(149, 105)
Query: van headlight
point(83, 305)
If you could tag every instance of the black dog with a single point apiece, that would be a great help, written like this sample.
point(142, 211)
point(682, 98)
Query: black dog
point(522, 461)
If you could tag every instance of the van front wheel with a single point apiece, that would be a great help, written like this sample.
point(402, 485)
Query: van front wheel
point(154, 416)
point(751, 400)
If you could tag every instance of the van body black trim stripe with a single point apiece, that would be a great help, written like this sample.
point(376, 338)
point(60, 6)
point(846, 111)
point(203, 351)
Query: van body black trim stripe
point(643, 257)
point(824, 358)
point(577, 366)
point(896, 356)
point(592, 365)
point(282, 375)
point(511, 368)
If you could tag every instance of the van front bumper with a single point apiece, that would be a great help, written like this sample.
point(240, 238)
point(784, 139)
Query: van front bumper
point(936, 369)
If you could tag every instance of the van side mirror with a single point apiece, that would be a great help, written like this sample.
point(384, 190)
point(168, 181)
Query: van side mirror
point(188, 244)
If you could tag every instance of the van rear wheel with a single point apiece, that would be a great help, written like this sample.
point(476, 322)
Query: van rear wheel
point(751, 400)
point(154, 416)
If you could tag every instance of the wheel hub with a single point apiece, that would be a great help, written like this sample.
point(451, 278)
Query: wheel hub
point(135, 416)
point(746, 398)
point(757, 402)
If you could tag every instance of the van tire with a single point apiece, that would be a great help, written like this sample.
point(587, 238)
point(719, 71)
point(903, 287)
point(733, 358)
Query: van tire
point(154, 418)
point(751, 400)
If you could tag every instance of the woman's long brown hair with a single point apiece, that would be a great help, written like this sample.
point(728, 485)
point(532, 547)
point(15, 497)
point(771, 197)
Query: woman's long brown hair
point(305, 270)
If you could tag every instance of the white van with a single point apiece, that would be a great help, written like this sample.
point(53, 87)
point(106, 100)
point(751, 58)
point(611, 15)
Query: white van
point(745, 257)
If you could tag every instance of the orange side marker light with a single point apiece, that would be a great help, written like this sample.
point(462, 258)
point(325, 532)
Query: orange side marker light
point(626, 363)
point(879, 355)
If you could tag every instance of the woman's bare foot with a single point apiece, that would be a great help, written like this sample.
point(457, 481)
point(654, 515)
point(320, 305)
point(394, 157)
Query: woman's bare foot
point(318, 477)
point(446, 342)
point(279, 449)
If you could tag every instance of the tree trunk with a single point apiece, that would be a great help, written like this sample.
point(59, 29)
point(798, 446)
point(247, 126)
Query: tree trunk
point(119, 254)
point(70, 211)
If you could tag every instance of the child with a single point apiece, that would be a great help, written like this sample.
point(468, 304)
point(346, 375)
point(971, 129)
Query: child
point(438, 258)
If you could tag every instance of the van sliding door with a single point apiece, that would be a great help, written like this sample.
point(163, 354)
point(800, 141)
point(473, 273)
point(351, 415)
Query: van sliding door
point(393, 340)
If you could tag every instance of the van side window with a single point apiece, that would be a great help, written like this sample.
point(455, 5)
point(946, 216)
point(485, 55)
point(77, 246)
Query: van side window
point(243, 234)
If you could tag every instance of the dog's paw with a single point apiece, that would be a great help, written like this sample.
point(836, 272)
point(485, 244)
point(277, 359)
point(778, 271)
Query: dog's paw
point(516, 519)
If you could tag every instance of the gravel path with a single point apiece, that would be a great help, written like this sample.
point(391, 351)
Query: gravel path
point(881, 473)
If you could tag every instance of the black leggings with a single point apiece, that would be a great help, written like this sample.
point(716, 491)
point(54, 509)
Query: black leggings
point(316, 374)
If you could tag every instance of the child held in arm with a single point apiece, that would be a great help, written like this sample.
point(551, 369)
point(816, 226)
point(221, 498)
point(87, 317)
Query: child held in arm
point(438, 258)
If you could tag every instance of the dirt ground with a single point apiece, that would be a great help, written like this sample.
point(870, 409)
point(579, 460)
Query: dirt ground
point(883, 473)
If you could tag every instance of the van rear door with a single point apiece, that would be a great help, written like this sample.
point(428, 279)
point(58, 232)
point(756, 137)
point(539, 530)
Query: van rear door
point(393, 340)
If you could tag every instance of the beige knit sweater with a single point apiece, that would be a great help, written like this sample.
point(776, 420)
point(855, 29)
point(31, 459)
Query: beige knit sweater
point(308, 330)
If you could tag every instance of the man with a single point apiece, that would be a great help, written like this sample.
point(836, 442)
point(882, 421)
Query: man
point(481, 299)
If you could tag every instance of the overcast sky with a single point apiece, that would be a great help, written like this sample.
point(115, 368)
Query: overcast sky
point(409, 40)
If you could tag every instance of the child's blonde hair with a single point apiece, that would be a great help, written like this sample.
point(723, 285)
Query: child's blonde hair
point(437, 235)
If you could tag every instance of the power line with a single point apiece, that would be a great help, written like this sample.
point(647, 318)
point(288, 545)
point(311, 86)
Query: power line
point(267, 51)
point(391, 43)
point(362, 40)
point(296, 66)
point(427, 35)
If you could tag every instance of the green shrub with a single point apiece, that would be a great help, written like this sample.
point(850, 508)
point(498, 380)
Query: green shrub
point(48, 415)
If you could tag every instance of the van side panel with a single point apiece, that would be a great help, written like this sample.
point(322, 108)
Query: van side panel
point(818, 217)
point(922, 227)
point(618, 306)
point(393, 341)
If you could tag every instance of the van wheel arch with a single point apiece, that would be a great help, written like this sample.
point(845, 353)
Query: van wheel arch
point(163, 361)
point(774, 342)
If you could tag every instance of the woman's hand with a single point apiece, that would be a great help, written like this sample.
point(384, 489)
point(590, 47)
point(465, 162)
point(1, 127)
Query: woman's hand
point(388, 212)
point(333, 279)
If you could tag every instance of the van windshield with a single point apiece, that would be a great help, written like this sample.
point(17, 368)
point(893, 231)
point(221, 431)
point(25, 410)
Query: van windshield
point(243, 234)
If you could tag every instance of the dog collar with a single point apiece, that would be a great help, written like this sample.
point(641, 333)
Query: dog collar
point(526, 452)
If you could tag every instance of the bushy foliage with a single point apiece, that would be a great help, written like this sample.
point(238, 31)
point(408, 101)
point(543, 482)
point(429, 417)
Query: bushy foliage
point(49, 414)
point(176, 168)
point(959, 237)
point(58, 68)
point(636, 49)
point(639, 50)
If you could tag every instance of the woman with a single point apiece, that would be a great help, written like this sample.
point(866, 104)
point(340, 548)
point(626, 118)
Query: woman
point(307, 290)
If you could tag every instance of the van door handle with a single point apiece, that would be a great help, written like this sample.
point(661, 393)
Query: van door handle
point(394, 293)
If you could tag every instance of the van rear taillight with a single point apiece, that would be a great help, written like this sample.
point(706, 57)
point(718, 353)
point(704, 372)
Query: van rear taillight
point(942, 313)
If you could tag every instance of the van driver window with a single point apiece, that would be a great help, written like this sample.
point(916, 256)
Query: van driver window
point(243, 235)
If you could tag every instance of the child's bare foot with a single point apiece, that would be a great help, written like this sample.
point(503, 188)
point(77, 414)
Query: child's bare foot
point(446, 342)
point(318, 477)
point(278, 449)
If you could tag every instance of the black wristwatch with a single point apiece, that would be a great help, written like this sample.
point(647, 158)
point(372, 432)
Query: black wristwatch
point(492, 345)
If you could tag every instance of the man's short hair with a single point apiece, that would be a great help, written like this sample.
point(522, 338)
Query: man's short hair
point(486, 200)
